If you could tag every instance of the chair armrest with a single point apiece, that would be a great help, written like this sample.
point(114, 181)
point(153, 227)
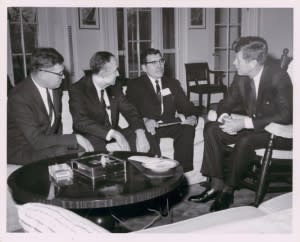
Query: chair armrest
point(284, 131)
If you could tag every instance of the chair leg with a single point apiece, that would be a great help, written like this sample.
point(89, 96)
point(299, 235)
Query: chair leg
point(266, 162)
point(208, 102)
point(200, 102)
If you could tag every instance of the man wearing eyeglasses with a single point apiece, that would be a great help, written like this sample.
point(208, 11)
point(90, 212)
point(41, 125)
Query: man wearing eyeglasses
point(158, 98)
point(34, 129)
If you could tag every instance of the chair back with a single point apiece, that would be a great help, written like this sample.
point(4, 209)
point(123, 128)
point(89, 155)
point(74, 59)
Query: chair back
point(197, 72)
point(285, 60)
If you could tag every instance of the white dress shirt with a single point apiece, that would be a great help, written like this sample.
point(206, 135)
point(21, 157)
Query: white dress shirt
point(108, 110)
point(43, 93)
point(154, 86)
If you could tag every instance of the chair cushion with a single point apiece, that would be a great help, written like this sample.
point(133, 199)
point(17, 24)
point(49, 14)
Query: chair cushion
point(43, 218)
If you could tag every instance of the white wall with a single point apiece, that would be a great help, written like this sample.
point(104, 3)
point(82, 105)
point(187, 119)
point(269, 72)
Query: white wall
point(276, 26)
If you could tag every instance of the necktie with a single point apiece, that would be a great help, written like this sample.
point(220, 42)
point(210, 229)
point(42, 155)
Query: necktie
point(252, 101)
point(158, 93)
point(50, 105)
point(102, 101)
point(102, 98)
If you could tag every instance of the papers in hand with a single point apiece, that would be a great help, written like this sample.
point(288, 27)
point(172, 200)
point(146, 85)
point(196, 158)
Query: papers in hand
point(168, 124)
point(154, 163)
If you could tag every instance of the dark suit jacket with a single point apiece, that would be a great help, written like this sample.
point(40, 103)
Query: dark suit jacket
point(141, 93)
point(89, 115)
point(274, 101)
point(28, 123)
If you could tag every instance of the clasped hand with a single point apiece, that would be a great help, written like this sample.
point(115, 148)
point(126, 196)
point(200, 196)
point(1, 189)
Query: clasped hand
point(231, 125)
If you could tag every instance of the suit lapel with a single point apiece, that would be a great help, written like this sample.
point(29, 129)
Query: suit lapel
point(262, 84)
point(113, 106)
point(37, 98)
point(56, 102)
point(91, 93)
point(149, 87)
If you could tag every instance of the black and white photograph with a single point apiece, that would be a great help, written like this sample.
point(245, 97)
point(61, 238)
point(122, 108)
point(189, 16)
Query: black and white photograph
point(88, 18)
point(171, 120)
point(197, 18)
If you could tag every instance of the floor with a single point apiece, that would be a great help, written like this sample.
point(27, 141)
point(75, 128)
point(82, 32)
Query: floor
point(147, 215)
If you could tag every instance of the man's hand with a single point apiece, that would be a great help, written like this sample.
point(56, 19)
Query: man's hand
point(121, 140)
point(150, 124)
point(84, 143)
point(142, 144)
point(232, 126)
point(190, 120)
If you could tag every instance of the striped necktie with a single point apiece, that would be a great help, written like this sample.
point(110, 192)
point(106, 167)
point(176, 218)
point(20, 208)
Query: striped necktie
point(50, 105)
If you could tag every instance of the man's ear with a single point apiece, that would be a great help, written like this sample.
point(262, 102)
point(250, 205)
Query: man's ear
point(144, 68)
point(253, 63)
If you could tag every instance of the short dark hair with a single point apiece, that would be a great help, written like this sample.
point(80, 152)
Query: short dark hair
point(253, 47)
point(150, 51)
point(98, 60)
point(45, 58)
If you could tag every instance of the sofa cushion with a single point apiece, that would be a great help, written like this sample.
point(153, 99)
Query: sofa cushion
point(278, 222)
point(44, 218)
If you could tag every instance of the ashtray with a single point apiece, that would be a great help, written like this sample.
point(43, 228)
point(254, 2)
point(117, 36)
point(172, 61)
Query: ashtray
point(161, 166)
point(61, 174)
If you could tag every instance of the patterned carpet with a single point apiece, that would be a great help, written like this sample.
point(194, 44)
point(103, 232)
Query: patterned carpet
point(139, 217)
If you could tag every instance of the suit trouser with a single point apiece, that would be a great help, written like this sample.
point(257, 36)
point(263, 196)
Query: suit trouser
point(183, 136)
point(246, 141)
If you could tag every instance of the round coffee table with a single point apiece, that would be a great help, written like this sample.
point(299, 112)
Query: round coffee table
point(31, 183)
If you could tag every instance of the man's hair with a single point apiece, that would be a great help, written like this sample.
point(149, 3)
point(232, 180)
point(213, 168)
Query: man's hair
point(45, 58)
point(147, 52)
point(253, 47)
point(98, 60)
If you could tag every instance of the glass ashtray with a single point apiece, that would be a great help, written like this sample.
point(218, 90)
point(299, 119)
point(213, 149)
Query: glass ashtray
point(62, 174)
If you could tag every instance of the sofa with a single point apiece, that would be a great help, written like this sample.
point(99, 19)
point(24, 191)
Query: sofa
point(272, 216)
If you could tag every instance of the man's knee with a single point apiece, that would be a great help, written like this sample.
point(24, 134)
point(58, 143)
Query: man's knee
point(211, 128)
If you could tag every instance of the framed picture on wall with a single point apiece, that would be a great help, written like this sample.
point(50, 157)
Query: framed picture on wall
point(89, 18)
point(197, 18)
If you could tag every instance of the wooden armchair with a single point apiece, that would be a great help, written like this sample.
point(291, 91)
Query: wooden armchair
point(198, 81)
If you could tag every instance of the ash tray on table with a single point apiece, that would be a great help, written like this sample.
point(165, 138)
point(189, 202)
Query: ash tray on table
point(153, 166)
point(61, 174)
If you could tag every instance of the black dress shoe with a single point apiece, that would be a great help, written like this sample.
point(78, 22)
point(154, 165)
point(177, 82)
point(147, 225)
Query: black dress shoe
point(222, 201)
point(205, 196)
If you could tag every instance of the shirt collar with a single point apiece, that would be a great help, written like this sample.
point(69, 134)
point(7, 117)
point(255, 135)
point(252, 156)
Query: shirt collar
point(153, 80)
point(258, 75)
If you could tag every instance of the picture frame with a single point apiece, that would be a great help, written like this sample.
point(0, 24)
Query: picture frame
point(197, 18)
point(89, 18)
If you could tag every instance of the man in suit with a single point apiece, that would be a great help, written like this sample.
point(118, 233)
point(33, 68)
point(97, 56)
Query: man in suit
point(95, 104)
point(263, 93)
point(34, 129)
point(157, 99)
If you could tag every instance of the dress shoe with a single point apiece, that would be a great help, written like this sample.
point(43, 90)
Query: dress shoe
point(222, 201)
point(205, 196)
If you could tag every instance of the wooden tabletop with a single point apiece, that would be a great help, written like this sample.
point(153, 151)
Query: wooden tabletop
point(31, 183)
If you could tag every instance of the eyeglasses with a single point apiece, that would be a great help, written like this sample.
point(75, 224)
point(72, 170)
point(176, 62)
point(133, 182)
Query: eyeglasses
point(61, 74)
point(161, 61)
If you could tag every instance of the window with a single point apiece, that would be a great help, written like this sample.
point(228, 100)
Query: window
point(23, 34)
point(143, 28)
point(227, 29)
point(134, 36)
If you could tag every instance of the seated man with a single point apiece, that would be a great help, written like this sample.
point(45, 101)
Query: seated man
point(263, 92)
point(157, 98)
point(95, 104)
point(34, 129)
